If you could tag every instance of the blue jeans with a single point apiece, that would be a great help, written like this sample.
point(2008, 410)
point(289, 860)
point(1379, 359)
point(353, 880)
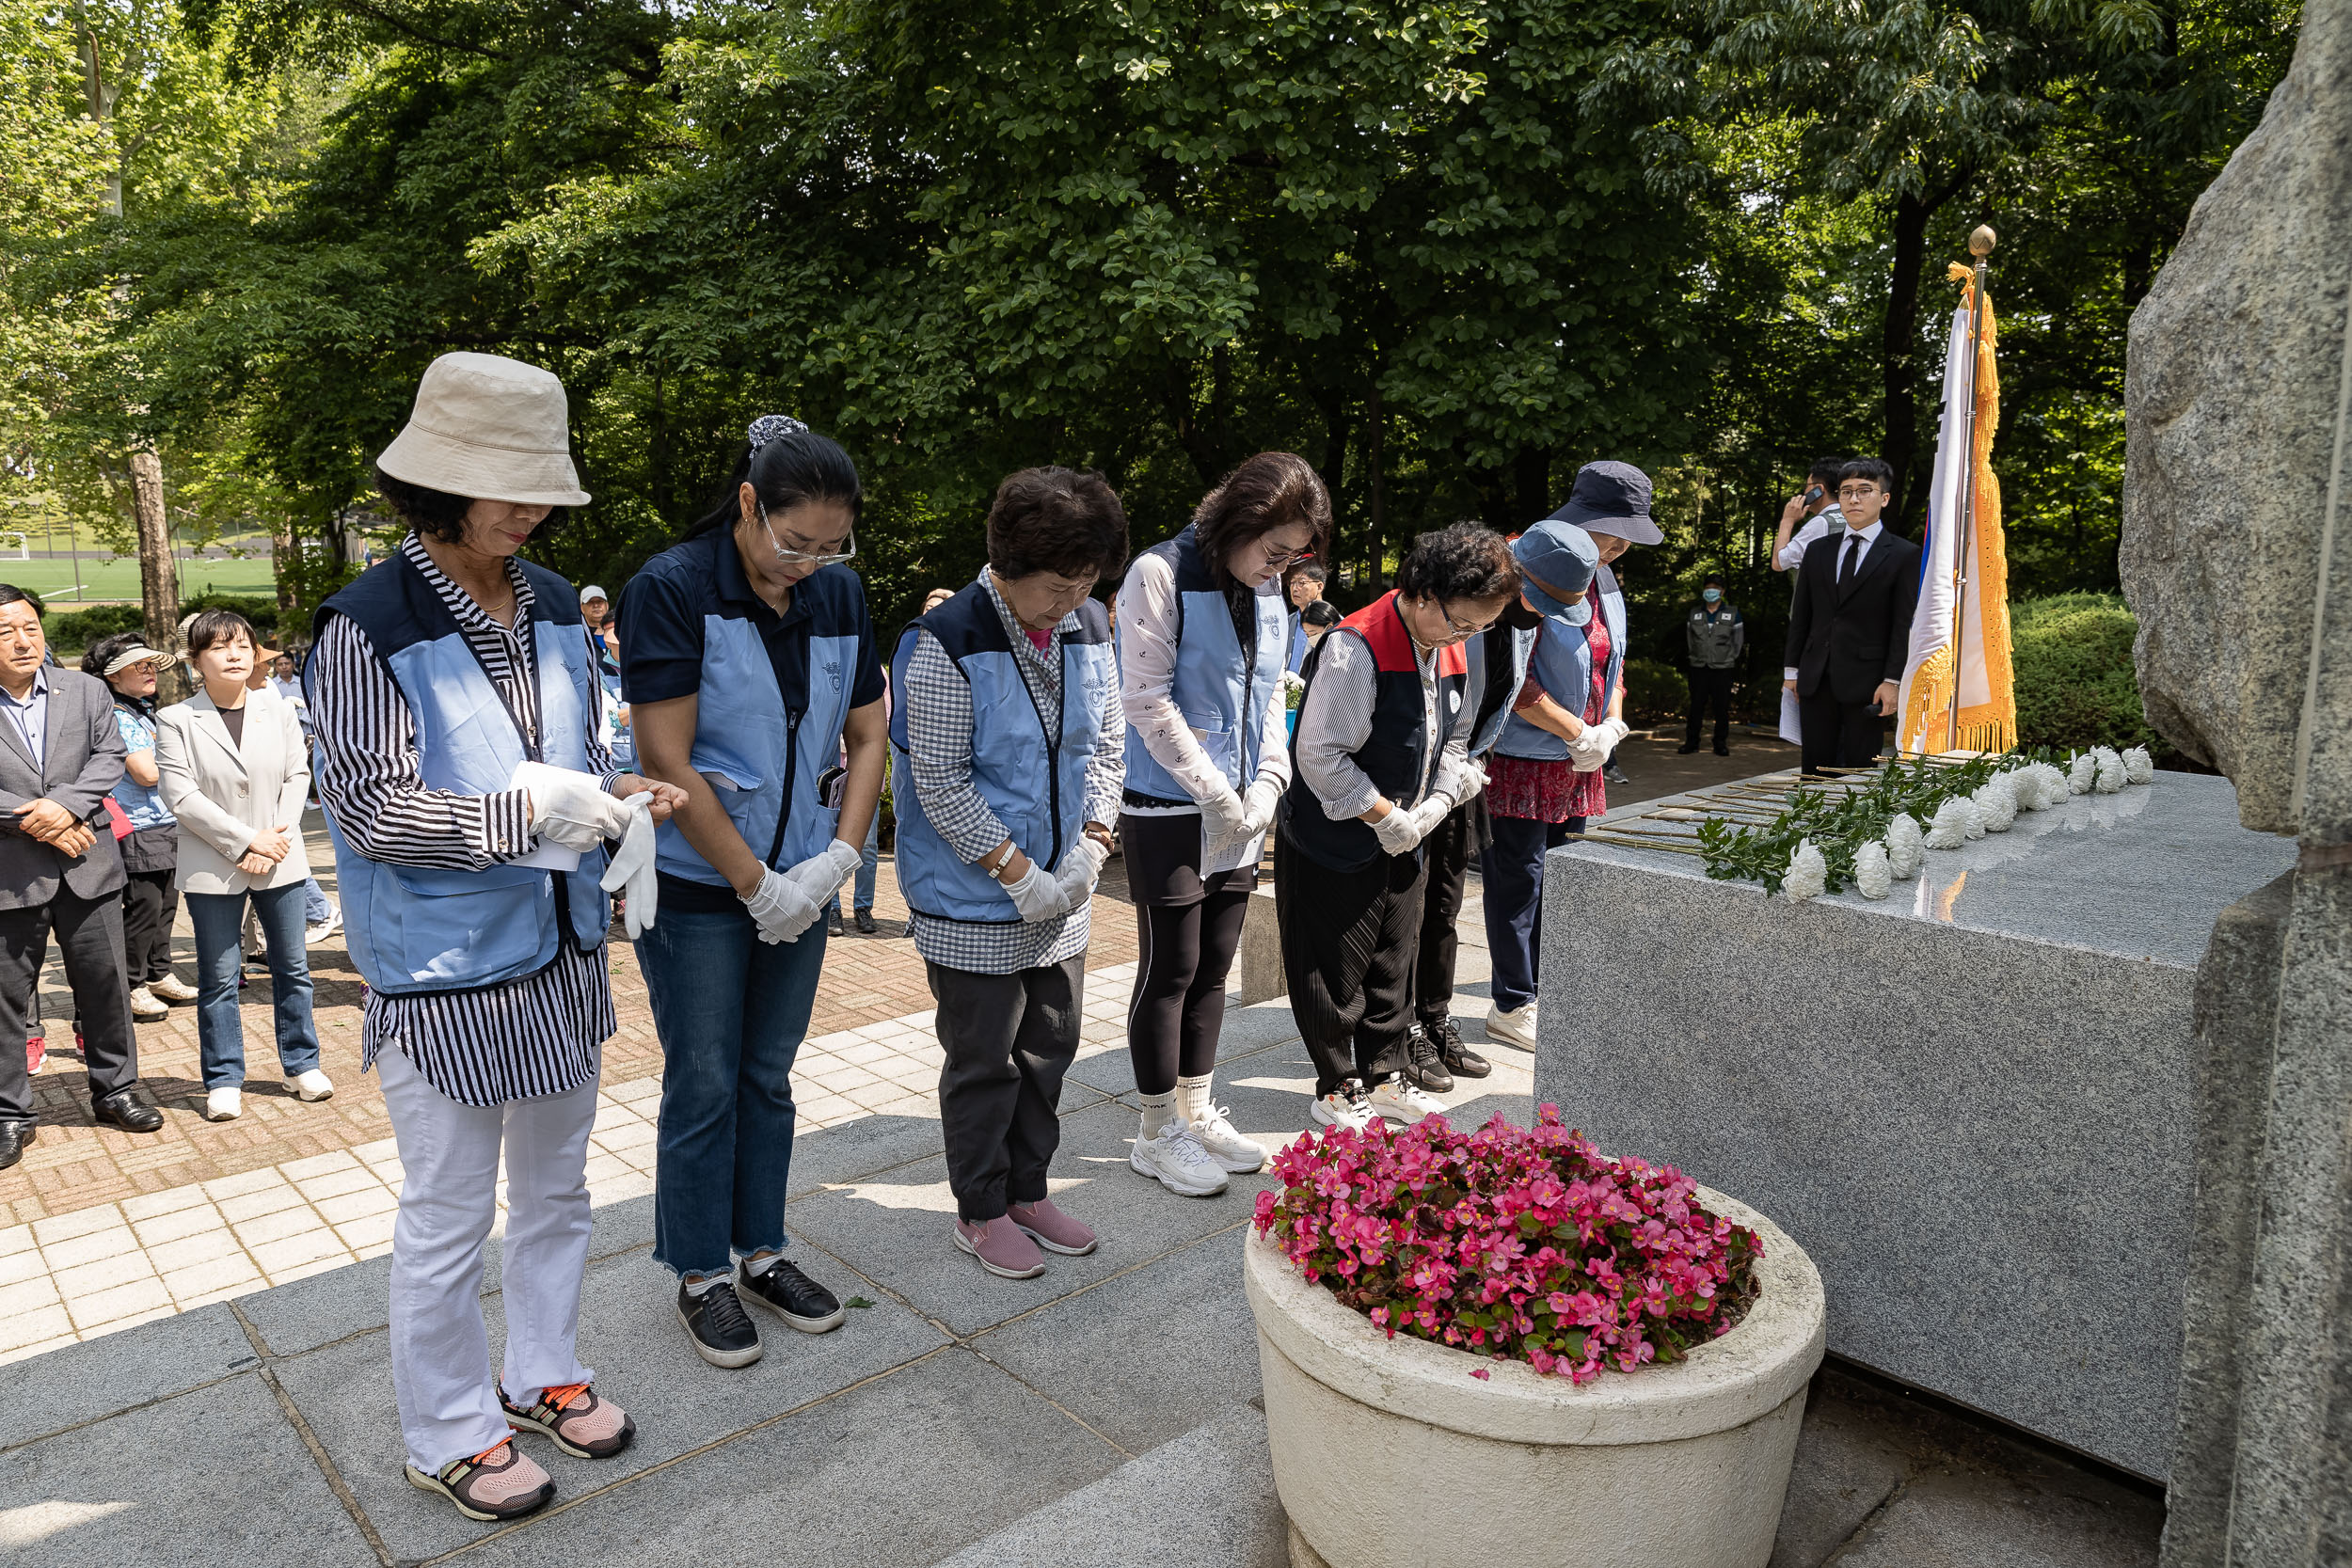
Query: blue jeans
point(1512, 866)
point(731, 1011)
point(219, 918)
point(861, 887)
point(315, 909)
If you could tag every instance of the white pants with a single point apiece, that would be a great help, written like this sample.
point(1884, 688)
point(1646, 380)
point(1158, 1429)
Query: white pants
point(449, 1156)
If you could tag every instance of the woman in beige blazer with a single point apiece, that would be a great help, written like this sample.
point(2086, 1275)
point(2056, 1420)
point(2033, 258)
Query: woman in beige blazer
point(235, 773)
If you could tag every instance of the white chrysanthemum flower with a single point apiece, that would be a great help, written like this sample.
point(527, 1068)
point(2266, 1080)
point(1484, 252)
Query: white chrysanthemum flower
point(1953, 820)
point(2138, 767)
point(1873, 871)
point(1906, 846)
point(2025, 787)
point(2107, 778)
point(2081, 774)
point(1997, 800)
point(2049, 783)
point(1807, 876)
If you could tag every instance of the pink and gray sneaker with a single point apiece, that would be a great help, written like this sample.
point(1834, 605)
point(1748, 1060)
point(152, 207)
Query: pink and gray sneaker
point(1002, 1247)
point(1052, 1229)
point(583, 1424)
point(495, 1486)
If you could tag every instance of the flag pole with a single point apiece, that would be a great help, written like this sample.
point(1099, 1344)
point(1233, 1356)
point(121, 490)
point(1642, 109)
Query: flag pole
point(1979, 245)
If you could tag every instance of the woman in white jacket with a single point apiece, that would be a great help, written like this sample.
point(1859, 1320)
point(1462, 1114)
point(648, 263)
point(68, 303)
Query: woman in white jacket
point(235, 772)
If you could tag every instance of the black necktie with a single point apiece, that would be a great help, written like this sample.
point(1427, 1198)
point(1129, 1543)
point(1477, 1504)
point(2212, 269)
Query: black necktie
point(1845, 567)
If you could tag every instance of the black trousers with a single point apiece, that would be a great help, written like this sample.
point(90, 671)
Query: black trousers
point(89, 935)
point(1178, 1007)
point(149, 903)
point(1710, 688)
point(1838, 734)
point(1349, 940)
point(1446, 854)
point(1008, 1039)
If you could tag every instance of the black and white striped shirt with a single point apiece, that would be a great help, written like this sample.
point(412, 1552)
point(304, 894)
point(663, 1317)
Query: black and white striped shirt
point(535, 1036)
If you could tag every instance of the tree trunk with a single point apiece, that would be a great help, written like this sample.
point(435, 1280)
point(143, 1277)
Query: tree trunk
point(1899, 358)
point(159, 579)
point(1375, 554)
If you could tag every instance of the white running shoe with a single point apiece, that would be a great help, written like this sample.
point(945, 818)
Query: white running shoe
point(1174, 1158)
point(313, 935)
point(146, 1007)
point(313, 1085)
point(223, 1104)
point(1345, 1106)
point(1231, 1149)
point(1513, 1028)
point(1403, 1100)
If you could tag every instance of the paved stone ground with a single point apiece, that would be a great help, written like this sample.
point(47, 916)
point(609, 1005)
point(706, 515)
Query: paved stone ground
point(235, 1405)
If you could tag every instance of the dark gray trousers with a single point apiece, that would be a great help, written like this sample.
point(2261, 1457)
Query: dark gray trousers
point(1008, 1039)
point(89, 936)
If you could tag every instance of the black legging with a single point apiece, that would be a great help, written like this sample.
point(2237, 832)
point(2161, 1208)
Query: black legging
point(1178, 1004)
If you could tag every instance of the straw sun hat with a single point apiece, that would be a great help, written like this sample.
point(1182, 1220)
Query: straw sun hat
point(488, 428)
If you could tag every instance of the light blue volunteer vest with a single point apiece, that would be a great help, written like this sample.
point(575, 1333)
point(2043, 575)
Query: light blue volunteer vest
point(420, 928)
point(1564, 663)
point(1223, 695)
point(761, 755)
point(1034, 783)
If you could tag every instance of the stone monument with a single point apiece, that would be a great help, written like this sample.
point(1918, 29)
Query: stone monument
point(2237, 558)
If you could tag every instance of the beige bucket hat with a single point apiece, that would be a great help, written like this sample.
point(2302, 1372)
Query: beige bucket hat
point(488, 428)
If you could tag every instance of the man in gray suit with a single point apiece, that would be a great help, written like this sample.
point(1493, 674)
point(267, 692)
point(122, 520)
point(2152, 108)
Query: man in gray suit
point(59, 755)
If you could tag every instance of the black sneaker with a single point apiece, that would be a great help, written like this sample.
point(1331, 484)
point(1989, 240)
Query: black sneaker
point(832, 924)
point(1421, 1064)
point(866, 922)
point(1685, 750)
point(715, 1321)
point(790, 1295)
point(1459, 1059)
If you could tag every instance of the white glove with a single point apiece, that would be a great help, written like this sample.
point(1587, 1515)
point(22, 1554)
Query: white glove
point(568, 808)
point(820, 875)
point(779, 910)
point(1257, 808)
point(1613, 734)
point(1081, 867)
point(1589, 750)
point(1474, 780)
point(631, 871)
point(1037, 896)
point(1221, 814)
point(1399, 834)
point(1429, 813)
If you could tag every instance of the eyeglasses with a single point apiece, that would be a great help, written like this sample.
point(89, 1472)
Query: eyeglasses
point(1283, 562)
point(1456, 630)
point(1857, 492)
point(802, 558)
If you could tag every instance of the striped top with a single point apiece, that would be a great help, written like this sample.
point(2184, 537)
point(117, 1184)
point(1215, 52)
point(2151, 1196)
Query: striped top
point(527, 1038)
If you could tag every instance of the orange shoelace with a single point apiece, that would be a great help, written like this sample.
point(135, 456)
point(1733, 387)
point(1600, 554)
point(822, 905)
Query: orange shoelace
point(564, 1397)
point(487, 1452)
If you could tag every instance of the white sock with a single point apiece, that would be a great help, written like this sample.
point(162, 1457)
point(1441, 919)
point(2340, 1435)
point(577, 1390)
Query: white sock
point(1192, 1097)
point(1158, 1110)
point(755, 1267)
point(700, 1287)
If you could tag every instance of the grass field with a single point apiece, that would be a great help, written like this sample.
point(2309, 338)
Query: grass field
point(103, 580)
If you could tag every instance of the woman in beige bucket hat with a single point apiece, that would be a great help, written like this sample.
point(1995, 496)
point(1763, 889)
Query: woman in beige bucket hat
point(472, 800)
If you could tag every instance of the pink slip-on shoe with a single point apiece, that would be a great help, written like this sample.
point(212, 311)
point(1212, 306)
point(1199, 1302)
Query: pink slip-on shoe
point(1052, 1229)
point(1002, 1248)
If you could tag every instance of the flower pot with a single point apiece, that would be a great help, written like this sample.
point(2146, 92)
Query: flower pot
point(1389, 1452)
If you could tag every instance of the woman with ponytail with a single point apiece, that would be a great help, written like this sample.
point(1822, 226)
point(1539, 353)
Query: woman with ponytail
point(1203, 640)
point(750, 664)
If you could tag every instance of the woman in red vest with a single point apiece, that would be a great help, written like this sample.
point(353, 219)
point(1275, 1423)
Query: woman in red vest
point(1379, 759)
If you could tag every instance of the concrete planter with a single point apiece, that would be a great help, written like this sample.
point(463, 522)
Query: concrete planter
point(1388, 1453)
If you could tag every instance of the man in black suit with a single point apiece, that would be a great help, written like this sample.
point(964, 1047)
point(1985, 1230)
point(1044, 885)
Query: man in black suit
point(1849, 629)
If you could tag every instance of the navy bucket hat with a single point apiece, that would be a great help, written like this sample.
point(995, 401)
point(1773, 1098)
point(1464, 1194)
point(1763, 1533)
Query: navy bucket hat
point(1613, 499)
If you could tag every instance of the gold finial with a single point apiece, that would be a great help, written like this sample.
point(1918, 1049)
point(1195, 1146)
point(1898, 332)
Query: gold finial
point(1980, 240)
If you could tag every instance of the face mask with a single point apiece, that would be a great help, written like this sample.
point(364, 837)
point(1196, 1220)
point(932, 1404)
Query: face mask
point(1710, 594)
point(1517, 617)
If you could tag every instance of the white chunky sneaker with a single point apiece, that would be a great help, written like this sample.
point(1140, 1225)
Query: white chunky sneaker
point(172, 989)
point(1513, 1028)
point(1401, 1100)
point(223, 1104)
point(1231, 1149)
point(313, 1085)
point(146, 1007)
point(1345, 1106)
point(1174, 1158)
